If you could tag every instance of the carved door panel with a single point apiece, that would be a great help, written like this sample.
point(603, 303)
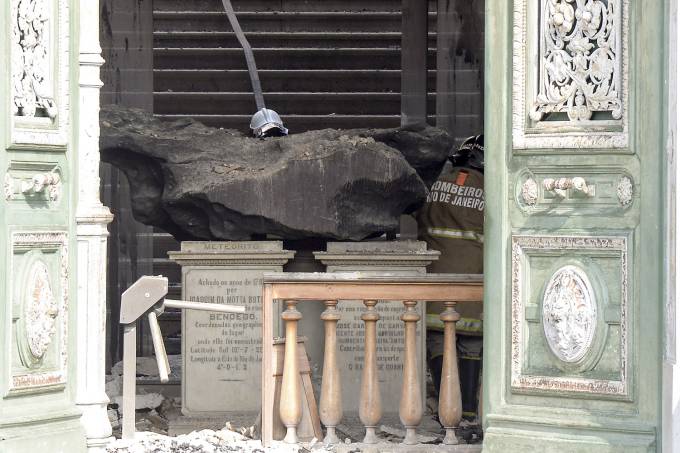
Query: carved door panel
point(37, 407)
point(573, 265)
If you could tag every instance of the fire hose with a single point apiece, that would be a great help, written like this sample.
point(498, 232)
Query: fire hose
point(265, 122)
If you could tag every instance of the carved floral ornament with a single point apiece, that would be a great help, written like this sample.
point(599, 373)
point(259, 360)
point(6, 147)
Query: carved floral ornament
point(530, 192)
point(32, 84)
point(570, 74)
point(9, 187)
point(42, 302)
point(41, 310)
point(624, 191)
point(579, 60)
point(569, 314)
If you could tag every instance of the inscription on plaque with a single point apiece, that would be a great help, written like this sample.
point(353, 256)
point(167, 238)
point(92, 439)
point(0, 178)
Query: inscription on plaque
point(390, 336)
point(222, 352)
point(400, 257)
point(390, 350)
point(222, 343)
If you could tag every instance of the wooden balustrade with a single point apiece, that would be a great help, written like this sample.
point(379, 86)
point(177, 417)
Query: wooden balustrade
point(294, 287)
point(370, 409)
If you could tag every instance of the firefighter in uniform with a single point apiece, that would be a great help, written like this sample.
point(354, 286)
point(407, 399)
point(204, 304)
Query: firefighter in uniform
point(452, 222)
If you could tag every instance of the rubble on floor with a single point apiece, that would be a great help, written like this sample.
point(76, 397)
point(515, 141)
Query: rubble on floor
point(205, 441)
point(155, 411)
point(224, 440)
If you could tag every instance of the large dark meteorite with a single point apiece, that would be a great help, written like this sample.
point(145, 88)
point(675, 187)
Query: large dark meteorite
point(198, 182)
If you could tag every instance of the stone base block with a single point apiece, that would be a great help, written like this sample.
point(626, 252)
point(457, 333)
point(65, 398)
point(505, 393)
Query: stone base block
point(44, 436)
point(238, 420)
point(391, 447)
point(503, 440)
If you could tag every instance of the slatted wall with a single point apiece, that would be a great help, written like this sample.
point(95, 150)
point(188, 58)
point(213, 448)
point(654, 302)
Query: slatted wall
point(323, 63)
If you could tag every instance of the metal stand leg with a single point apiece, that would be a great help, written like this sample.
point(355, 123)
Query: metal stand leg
point(129, 379)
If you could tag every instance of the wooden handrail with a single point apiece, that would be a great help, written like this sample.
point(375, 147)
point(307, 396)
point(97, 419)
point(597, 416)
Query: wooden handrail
point(388, 286)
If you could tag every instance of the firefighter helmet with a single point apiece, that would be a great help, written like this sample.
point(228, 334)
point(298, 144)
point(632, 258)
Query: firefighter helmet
point(469, 154)
point(267, 123)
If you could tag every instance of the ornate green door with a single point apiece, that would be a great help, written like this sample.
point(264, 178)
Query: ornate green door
point(574, 134)
point(37, 223)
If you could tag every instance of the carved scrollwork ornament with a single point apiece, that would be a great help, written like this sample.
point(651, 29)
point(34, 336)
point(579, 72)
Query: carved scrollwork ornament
point(43, 183)
point(571, 64)
point(580, 60)
point(32, 78)
point(624, 191)
point(569, 314)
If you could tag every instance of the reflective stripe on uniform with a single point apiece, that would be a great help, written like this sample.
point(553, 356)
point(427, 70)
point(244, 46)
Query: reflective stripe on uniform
point(463, 325)
point(450, 233)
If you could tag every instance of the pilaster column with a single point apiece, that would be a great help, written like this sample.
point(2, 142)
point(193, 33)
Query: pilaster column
point(91, 220)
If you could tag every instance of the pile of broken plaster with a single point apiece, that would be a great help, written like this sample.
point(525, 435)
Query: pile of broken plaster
point(205, 441)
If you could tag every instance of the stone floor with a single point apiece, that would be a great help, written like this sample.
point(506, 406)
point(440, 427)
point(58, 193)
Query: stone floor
point(392, 447)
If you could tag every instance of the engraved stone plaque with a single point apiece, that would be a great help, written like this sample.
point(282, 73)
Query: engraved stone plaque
point(222, 352)
point(407, 257)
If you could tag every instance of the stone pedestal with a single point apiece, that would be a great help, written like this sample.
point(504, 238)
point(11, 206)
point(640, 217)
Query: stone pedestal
point(222, 353)
point(402, 257)
point(310, 325)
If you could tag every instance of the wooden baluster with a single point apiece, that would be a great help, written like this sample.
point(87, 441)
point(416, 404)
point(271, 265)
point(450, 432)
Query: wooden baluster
point(411, 404)
point(370, 409)
point(450, 404)
point(330, 406)
point(290, 408)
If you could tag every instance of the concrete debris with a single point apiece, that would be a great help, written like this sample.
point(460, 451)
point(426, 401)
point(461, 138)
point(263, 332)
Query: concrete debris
point(148, 367)
point(155, 412)
point(113, 386)
point(148, 401)
point(432, 405)
point(114, 418)
point(400, 433)
point(205, 441)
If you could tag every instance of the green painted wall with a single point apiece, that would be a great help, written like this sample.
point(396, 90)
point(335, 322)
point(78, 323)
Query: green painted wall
point(523, 417)
point(38, 411)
